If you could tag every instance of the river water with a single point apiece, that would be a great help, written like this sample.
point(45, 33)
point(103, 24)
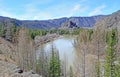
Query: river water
point(64, 45)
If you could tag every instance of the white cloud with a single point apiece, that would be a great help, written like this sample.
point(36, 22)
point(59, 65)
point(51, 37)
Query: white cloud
point(97, 10)
point(35, 11)
point(76, 8)
point(31, 11)
point(42, 16)
point(4, 12)
point(52, 12)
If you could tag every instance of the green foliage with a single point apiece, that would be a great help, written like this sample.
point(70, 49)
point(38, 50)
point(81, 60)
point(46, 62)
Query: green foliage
point(111, 37)
point(14, 33)
point(76, 31)
point(111, 41)
point(10, 33)
point(97, 67)
point(14, 29)
point(117, 70)
point(53, 31)
point(1, 30)
point(63, 31)
point(34, 33)
point(86, 35)
point(54, 67)
point(90, 32)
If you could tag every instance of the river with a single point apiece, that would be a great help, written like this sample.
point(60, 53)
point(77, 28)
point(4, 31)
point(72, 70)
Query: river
point(64, 45)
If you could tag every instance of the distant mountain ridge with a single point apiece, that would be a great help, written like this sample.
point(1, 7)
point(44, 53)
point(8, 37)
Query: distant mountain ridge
point(53, 23)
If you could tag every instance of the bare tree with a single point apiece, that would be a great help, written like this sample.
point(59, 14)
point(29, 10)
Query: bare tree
point(98, 42)
point(82, 48)
point(25, 50)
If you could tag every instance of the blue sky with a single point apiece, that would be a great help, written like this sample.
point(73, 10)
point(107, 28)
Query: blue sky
point(50, 9)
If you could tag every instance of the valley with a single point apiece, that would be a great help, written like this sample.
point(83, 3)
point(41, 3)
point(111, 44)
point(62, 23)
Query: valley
point(64, 47)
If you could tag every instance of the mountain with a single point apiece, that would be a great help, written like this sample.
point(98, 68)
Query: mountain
point(110, 21)
point(53, 23)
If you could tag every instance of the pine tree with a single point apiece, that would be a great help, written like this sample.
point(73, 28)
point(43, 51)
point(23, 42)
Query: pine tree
point(111, 53)
point(2, 32)
point(117, 69)
point(54, 67)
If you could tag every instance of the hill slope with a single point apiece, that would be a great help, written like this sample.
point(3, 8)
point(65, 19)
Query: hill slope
point(110, 21)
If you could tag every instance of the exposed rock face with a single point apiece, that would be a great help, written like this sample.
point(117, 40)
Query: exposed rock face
point(54, 23)
point(111, 21)
point(69, 24)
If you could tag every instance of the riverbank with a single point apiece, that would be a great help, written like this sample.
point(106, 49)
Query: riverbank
point(44, 39)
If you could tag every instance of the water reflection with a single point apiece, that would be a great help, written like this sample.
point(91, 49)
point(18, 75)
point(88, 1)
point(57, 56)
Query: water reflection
point(65, 47)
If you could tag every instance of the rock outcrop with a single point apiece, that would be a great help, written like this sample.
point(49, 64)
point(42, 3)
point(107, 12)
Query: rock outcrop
point(68, 24)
